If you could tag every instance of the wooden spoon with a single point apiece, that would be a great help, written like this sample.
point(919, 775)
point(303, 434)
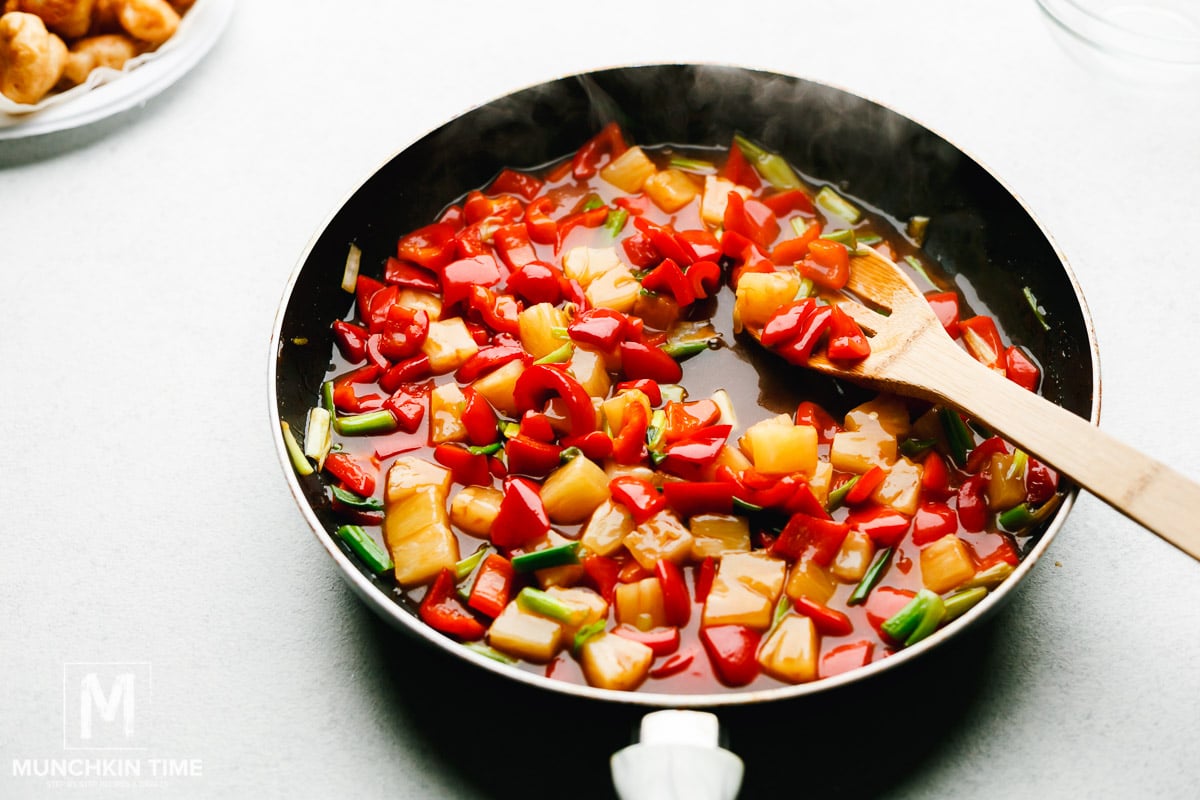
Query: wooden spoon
point(912, 354)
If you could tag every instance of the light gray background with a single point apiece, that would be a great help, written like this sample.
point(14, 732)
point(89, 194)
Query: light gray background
point(144, 514)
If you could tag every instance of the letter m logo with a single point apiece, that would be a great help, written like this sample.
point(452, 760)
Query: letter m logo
point(105, 705)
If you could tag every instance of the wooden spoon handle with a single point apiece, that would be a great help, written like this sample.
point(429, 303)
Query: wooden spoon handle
point(1153, 494)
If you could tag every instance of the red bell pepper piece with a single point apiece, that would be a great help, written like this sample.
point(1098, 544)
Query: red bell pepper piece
point(537, 426)
point(798, 350)
point(540, 226)
point(404, 332)
point(1041, 482)
point(1004, 553)
point(705, 278)
point(587, 219)
point(351, 340)
point(375, 356)
point(884, 603)
point(602, 572)
point(703, 243)
point(805, 537)
point(377, 307)
point(408, 371)
point(343, 387)
point(479, 419)
point(522, 517)
point(527, 456)
point(751, 219)
point(789, 200)
point(933, 520)
point(827, 264)
point(601, 327)
point(401, 273)
point(645, 386)
point(512, 182)
point(493, 586)
point(465, 467)
point(677, 603)
point(441, 610)
point(640, 496)
point(690, 498)
point(486, 360)
point(703, 575)
point(983, 452)
point(459, 276)
point(732, 650)
point(846, 657)
point(737, 169)
point(884, 525)
point(498, 311)
point(828, 621)
point(347, 469)
point(666, 241)
point(1020, 369)
point(689, 458)
point(407, 405)
point(513, 245)
point(792, 251)
point(809, 413)
point(668, 277)
point(469, 243)
point(684, 419)
point(787, 323)
point(364, 289)
point(945, 306)
point(536, 282)
point(608, 142)
point(629, 445)
point(662, 641)
point(640, 361)
point(541, 382)
point(846, 340)
point(982, 339)
point(431, 247)
point(640, 251)
point(596, 445)
point(673, 665)
point(453, 216)
point(867, 483)
point(972, 506)
point(935, 477)
point(503, 209)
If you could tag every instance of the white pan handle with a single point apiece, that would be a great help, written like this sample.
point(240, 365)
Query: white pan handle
point(677, 757)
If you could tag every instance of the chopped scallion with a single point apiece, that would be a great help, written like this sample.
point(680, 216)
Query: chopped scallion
point(559, 333)
point(318, 434)
point(366, 423)
point(569, 454)
point(489, 652)
point(773, 167)
point(485, 449)
point(918, 619)
point(834, 203)
point(869, 239)
point(593, 202)
point(672, 392)
point(587, 632)
point(350, 273)
point(1038, 311)
point(871, 577)
point(300, 462)
point(916, 228)
point(799, 225)
point(838, 495)
point(694, 165)
point(912, 448)
point(682, 350)
point(916, 264)
point(614, 223)
point(1021, 516)
point(958, 435)
point(657, 429)
point(365, 547)
point(844, 236)
point(559, 356)
point(539, 602)
point(352, 500)
point(466, 566)
point(559, 556)
point(960, 603)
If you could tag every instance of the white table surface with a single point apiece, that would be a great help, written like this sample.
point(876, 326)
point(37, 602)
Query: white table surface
point(144, 514)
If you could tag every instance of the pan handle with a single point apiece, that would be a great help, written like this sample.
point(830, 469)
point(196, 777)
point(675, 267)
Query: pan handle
point(677, 756)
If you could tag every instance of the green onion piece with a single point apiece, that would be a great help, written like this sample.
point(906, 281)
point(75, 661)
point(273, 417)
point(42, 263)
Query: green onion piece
point(350, 273)
point(958, 435)
point(681, 350)
point(559, 556)
point(587, 632)
point(559, 333)
point(694, 165)
point(905, 622)
point(1021, 516)
point(489, 652)
point(672, 392)
point(467, 565)
point(1038, 311)
point(352, 500)
point(593, 202)
point(782, 609)
point(568, 454)
point(558, 356)
point(369, 422)
point(485, 449)
point(646, 292)
point(509, 430)
point(657, 457)
point(931, 618)
point(318, 434)
point(327, 401)
point(960, 603)
point(799, 225)
point(871, 577)
point(773, 167)
point(916, 264)
point(844, 236)
point(614, 223)
point(806, 289)
point(299, 461)
point(657, 429)
point(740, 506)
point(838, 495)
point(1020, 461)
point(539, 602)
point(991, 577)
point(916, 229)
point(834, 203)
point(365, 547)
point(869, 239)
point(912, 448)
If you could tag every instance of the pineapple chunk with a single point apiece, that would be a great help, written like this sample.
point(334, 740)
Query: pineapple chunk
point(591, 370)
point(790, 651)
point(609, 525)
point(418, 300)
point(524, 634)
point(585, 264)
point(640, 604)
point(854, 557)
point(574, 491)
point(858, 451)
point(781, 449)
point(811, 580)
point(424, 507)
point(448, 345)
point(671, 189)
point(717, 534)
point(566, 575)
point(887, 412)
point(497, 387)
point(1004, 490)
point(629, 170)
point(946, 564)
point(418, 536)
point(745, 590)
point(614, 662)
point(901, 489)
point(409, 473)
point(588, 606)
point(761, 294)
point(661, 536)
point(474, 509)
point(733, 458)
point(820, 481)
point(616, 289)
point(535, 327)
point(716, 197)
point(446, 406)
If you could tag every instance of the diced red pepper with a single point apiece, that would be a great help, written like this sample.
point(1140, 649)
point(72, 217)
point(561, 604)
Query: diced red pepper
point(786, 323)
point(847, 342)
point(1041, 482)
point(684, 419)
point(846, 657)
point(504, 209)
point(705, 278)
point(932, 521)
point(640, 251)
point(498, 311)
point(538, 223)
point(441, 610)
point(479, 419)
point(364, 289)
point(798, 350)
point(982, 339)
point(972, 505)
point(668, 277)
point(401, 273)
point(541, 382)
point(596, 445)
point(585, 219)
point(884, 603)
point(608, 142)
point(404, 331)
point(935, 477)
point(469, 243)
point(866, 484)
point(884, 525)
point(677, 603)
point(493, 586)
point(407, 405)
point(459, 276)
point(601, 327)
point(465, 467)
point(689, 458)
point(1020, 369)
point(351, 340)
point(805, 537)
point(666, 241)
point(751, 219)
point(809, 413)
point(536, 282)
point(673, 665)
point(510, 181)
point(645, 386)
point(827, 264)
point(408, 371)
point(945, 306)
point(662, 641)
point(703, 576)
point(537, 426)
point(453, 216)
point(1004, 553)
point(522, 517)
point(703, 243)
point(629, 445)
point(486, 360)
point(983, 452)
point(431, 247)
point(640, 496)
point(828, 621)
point(527, 456)
point(689, 498)
point(513, 245)
point(789, 200)
point(737, 169)
point(732, 650)
point(347, 469)
point(640, 361)
point(602, 572)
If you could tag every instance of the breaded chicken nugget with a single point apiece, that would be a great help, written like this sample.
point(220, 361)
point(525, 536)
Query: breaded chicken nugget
point(31, 58)
point(70, 19)
point(151, 21)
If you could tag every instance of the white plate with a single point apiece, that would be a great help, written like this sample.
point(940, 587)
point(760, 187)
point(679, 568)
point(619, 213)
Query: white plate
point(204, 24)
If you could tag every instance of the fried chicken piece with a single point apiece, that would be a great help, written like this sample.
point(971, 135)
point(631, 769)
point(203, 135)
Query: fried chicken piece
point(107, 50)
point(32, 59)
point(151, 21)
point(70, 19)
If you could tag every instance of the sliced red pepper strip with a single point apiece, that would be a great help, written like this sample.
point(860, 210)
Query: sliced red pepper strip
point(431, 247)
point(527, 456)
point(662, 641)
point(510, 181)
point(703, 243)
point(932, 521)
point(486, 360)
point(1020, 369)
point(441, 610)
point(541, 227)
point(641, 361)
point(364, 289)
point(846, 657)
point(704, 574)
point(689, 498)
point(347, 469)
point(704, 278)
point(401, 273)
point(972, 505)
point(806, 537)
point(792, 251)
point(629, 445)
point(684, 419)
point(601, 327)
point(668, 277)
point(540, 382)
point(787, 201)
point(689, 458)
point(827, 264)
point(677, 603)
point(378, 305)
point(522, 517)
point(465, 467)
point(751, 219)
point(640, 251)
point(640, 496)
point(945, 306)
point(493, 586)
point(732, 649)
point(479, 419)
point(865, 485)
point(504, 209)
point(536, 282)
point(469, 243)
point(787, 323)
point(666, 242)
point(737, 169)
point(608, 142)
point(798, 350)
point(809, 413)
point(645, 386)
point(846, 340)
point(982, 339)
point(884, 525)
point(513, 245)
point(596, 445)
point(587, 219)
point(602, 572)
point(351, 340)
point(828, 621)
point(935, 477)
point(983, 453)
point(1004, 553)
point(498, 311)
point(1041, 482)
point(458, 277)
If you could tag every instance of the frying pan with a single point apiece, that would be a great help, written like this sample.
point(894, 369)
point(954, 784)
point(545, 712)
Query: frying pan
point(985, 241)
